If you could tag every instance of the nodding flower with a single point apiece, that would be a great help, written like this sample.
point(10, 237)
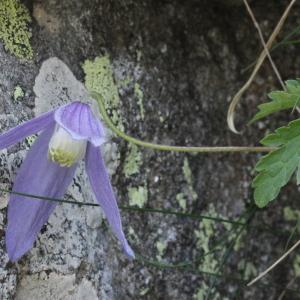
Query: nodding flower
point(69, 134)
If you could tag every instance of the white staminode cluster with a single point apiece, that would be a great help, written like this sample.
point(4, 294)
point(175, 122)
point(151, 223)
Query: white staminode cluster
point(65, 150)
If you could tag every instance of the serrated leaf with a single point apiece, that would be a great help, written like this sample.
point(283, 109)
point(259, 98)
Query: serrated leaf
point(281, 100)
point(293, 86)
point(276, 168)
point(282, 135)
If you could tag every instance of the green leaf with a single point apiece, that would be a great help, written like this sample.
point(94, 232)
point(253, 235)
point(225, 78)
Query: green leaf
point(281, 100)
point(276, 168)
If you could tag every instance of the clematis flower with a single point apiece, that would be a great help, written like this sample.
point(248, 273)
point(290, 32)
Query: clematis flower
point(68, 134)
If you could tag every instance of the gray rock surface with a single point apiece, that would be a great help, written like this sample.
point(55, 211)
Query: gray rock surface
point(169, 69)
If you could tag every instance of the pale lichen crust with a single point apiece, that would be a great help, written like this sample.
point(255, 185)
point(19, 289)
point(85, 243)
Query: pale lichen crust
point(99, 78)
point(14, 29)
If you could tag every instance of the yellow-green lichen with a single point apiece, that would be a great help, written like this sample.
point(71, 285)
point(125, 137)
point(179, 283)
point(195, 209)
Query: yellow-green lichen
point(138, 196)
point(240, 240)
point(140, 96)
point(18, 93)
point(99, 78)
point(248, 269)
point(14, 29)
point(132, 234)
point(144, 291)
point(161, 247)
point(187, 173)
point(203, 290)
point(181, 199)
point(296, 265)
point(239, 243)
point(204, 235)
point(124, 82)
point(133, 161)
point(206, 230)
point(207, 244)
point(189, 192)
point(290, 214)
point(138, 55)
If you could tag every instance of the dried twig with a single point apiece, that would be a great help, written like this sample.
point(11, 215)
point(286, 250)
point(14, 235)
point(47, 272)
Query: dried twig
point(274, 264)
point(264, 43)
point(236, 98)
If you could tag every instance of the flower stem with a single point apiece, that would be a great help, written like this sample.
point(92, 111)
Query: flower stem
point(161, 147)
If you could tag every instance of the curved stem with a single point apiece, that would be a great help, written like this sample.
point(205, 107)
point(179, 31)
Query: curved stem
point(160, 147)
point(236, 99)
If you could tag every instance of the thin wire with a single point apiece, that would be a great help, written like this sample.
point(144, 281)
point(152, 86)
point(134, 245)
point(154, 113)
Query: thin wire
point(228, 251)
point(189, 265)
point(160, 147)
point(229, 277)
point(149, 210)
point(215, 249)
point(157, 264)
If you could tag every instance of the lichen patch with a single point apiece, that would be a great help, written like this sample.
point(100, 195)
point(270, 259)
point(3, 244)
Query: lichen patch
point(14, 28)
point(99, 78)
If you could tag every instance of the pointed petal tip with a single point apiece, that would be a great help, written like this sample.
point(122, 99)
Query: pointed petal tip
point(14, 254)
point(14, 248)
point(129, 252)
point(14, 257)
point(102, 188)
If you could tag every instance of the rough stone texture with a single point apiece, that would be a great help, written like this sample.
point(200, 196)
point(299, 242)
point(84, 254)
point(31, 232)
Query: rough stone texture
point(176, 64)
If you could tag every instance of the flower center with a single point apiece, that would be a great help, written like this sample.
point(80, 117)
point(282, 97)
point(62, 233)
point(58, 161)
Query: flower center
point(65, 150)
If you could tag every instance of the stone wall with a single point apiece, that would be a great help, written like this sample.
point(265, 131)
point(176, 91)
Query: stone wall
point(168, 70)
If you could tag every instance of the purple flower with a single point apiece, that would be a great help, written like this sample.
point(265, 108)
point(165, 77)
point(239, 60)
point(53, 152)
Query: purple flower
point(68, 134)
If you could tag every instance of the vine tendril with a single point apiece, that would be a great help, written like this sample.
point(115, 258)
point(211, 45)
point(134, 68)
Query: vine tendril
point(161, 147)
